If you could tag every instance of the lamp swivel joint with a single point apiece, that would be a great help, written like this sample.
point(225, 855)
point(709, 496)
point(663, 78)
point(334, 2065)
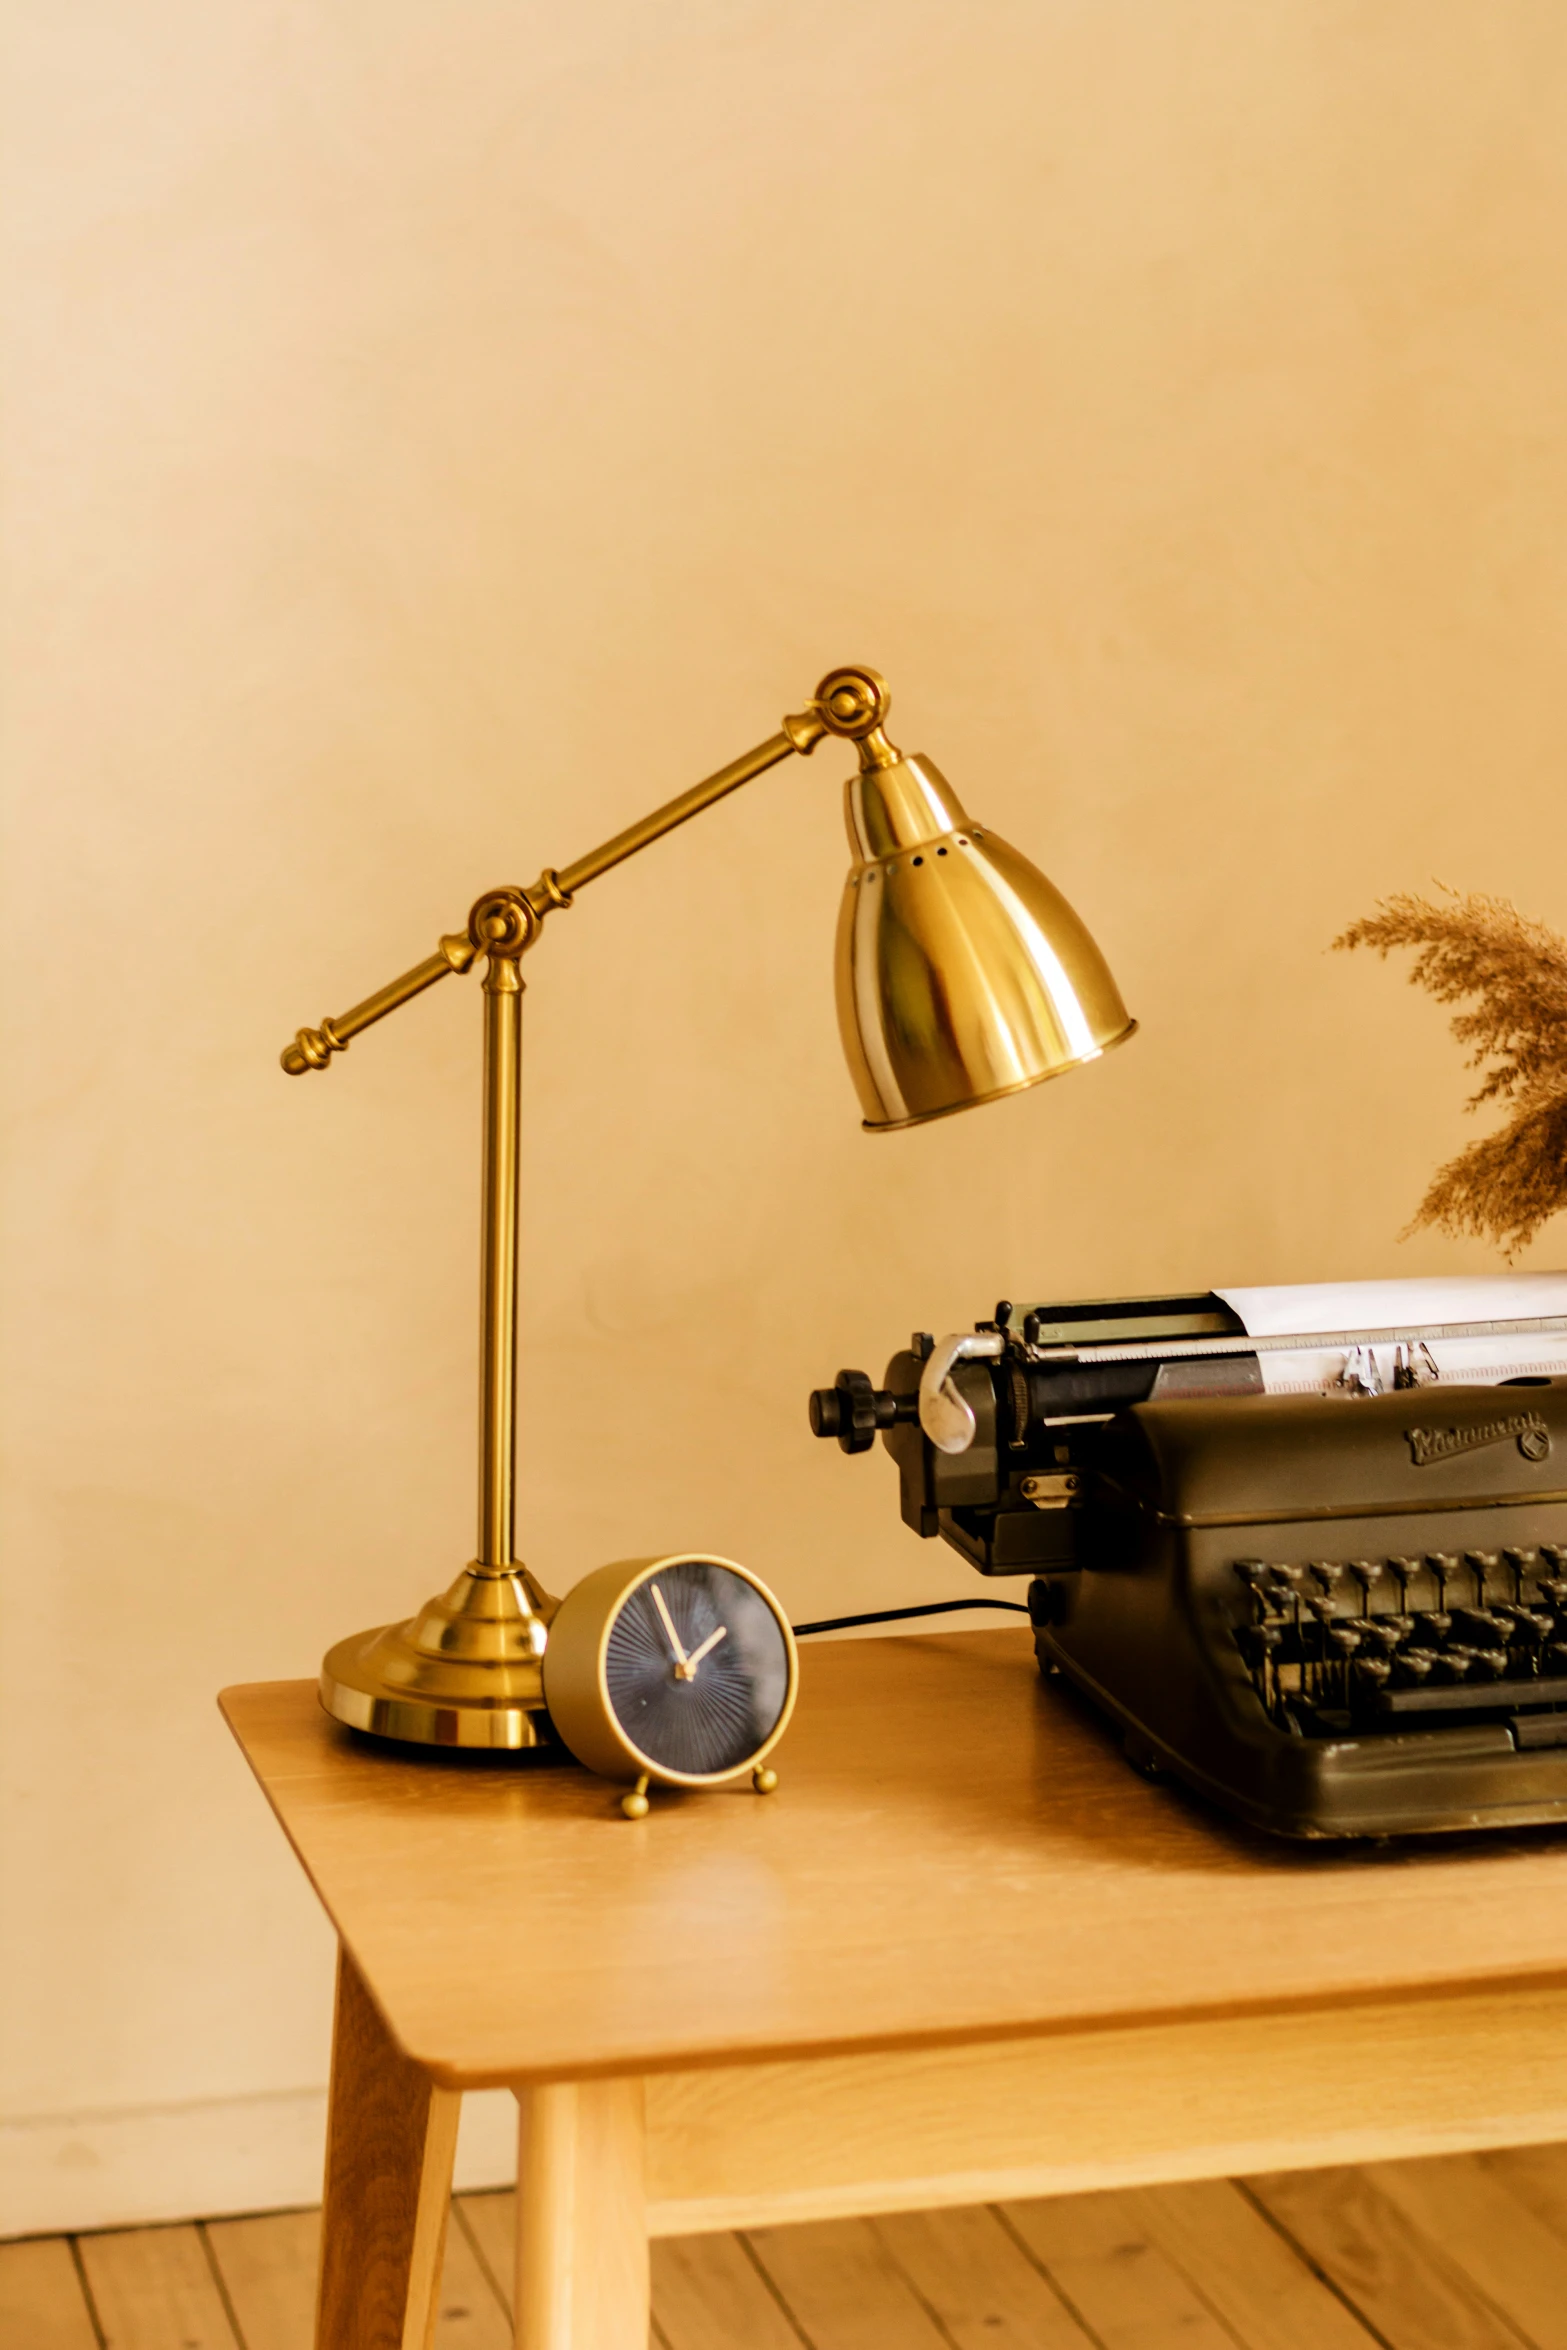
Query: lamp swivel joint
point(853, 703)
point(503, 925)
point(853, 700)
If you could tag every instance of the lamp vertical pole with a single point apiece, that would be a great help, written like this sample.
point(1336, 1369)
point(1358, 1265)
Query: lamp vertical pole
point(498, 1278)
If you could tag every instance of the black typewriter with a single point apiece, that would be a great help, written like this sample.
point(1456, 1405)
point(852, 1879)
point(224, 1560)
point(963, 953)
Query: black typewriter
point(1319, 1577)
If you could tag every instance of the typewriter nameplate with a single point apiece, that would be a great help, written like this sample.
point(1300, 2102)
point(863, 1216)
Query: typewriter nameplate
point(1526, 1429)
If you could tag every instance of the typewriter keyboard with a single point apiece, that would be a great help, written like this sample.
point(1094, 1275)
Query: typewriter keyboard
point(1364, 1644)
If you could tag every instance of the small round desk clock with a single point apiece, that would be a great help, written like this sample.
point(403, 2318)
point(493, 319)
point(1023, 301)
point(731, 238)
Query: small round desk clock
point(680, 1671)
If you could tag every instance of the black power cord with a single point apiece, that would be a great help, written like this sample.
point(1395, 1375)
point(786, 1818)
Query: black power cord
point(896, 1615)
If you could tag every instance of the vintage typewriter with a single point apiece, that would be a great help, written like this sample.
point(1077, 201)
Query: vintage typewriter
point(1307, 1549)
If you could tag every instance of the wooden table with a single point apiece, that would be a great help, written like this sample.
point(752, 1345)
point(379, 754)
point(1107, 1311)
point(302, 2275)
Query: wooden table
point(964, 1953)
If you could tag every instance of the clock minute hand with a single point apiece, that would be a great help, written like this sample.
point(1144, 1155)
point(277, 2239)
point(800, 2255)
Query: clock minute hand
point(697, 1654)
point(682, 1663)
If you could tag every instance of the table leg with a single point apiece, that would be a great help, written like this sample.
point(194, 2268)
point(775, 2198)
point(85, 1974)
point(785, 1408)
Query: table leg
point(391, 2137)
point(582, 2258)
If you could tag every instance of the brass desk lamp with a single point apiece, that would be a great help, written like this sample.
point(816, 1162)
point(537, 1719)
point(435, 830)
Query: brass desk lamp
point(962, 975)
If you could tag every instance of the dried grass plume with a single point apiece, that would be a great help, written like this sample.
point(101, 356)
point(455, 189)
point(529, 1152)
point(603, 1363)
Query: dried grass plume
point(1513, 974)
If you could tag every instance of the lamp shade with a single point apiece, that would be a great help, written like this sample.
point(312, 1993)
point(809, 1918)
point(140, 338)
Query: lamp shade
point(962, 973)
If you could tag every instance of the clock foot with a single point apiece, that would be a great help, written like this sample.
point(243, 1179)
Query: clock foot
point(635, 1805)
point(763, 1779)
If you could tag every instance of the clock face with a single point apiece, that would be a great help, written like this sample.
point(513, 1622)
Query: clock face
point(697, 1669)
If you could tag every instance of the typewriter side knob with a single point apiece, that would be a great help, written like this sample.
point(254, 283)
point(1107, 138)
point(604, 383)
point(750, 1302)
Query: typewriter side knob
point(853, 1410)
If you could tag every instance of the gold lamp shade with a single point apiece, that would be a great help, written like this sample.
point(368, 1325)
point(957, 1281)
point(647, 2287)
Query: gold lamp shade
point(962, 973)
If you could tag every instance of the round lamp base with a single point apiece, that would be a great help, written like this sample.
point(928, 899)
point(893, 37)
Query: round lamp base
point(465, 1672)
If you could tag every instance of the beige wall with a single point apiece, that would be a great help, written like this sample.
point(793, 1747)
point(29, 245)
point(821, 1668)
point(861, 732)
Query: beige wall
point(437, 432)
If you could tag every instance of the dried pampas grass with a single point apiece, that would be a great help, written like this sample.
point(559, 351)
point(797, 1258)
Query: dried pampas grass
point(1514, 972)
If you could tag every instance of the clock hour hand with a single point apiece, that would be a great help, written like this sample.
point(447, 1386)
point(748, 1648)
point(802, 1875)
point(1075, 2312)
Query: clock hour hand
point(688, 1670)
point(682, 1664)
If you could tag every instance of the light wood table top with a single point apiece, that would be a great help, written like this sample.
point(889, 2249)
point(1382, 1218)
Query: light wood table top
point(957, 1852)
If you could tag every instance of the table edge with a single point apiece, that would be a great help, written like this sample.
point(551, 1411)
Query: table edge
point(738, 2057)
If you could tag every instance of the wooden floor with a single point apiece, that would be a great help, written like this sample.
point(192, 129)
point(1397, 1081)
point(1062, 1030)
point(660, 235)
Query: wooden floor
point(1468, 2252)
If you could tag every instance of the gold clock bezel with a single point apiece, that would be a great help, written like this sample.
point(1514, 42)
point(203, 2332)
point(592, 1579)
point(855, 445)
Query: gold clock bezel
point(576, 1687)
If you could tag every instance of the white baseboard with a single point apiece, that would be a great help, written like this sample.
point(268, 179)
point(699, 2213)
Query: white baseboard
point(65, 2173)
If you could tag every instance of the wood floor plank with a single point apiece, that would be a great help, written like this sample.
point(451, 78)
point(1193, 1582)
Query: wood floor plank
point(1114, 2275)
point(1537, 2175)
point(843, 2287)
point(470, 2314)
point(268, 2267)
point(1491, 2234)
point(154, 2289)
point(1394, 2273)
point(983, 2287)
point(1245, 2270)
point(708, 2295)
point(490, 2223)
point(1460, 2252)
point(42, 2306)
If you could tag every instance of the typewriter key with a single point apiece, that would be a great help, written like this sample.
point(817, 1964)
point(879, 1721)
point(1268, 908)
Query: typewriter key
point(1343, 1640)
point(1371, 1675)
point(1480, 1564)
point(1368, 1574)
point(1287, 1582)
point(1442, 1564)
point(1521, 1563)
point(1533, 1626)
point(1403, 1572)
point(1255, 1576)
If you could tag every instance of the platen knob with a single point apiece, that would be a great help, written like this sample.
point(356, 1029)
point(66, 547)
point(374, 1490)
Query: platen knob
point(846, 1410)
point(852, 1410)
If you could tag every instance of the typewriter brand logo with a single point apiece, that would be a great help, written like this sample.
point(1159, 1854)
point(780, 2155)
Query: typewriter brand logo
point(1532, 1436)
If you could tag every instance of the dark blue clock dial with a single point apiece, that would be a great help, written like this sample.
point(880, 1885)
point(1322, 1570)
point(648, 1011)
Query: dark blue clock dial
point(699, 1683)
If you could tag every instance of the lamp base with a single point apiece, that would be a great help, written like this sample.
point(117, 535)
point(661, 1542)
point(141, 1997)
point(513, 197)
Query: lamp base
point(464, 1672)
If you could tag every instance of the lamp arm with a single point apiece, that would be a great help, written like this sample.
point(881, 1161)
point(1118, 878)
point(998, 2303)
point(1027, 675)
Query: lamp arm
point(312, 1048)
point(850, 702)
point(558, 889)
